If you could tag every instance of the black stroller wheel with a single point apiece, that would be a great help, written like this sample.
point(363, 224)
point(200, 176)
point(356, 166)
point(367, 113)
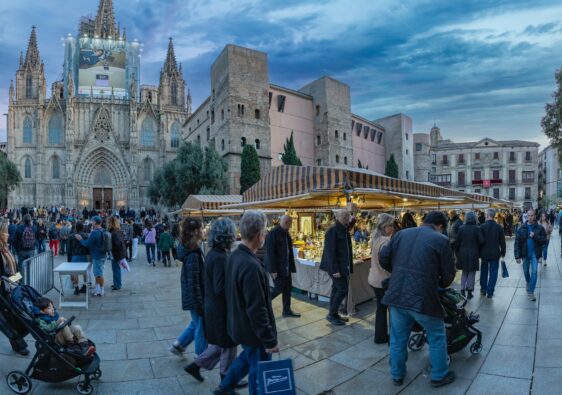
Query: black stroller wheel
point(18, 382)
point(476, 348)
point(415, 342)
point(84, 388)
point(97, 374)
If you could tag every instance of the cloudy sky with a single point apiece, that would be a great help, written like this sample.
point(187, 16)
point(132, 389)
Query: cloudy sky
point(476, 68)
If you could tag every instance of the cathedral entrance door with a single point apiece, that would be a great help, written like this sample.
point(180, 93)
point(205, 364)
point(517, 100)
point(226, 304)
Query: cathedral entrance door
point(103, 198)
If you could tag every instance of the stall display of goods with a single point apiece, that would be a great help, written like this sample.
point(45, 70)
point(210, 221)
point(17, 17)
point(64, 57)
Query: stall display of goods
point(311, 249)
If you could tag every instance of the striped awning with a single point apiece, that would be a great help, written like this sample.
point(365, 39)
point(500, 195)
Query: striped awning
point(209, 202)
point(318, 185)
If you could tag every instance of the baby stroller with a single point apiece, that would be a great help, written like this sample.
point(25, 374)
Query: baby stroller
point(459, 326)
point(51, 363)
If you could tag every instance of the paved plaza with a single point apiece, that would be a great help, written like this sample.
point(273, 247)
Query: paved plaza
point(134, 327)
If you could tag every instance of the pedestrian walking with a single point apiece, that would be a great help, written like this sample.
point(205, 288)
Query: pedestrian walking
point(221, 347)
point(421, 261)
point(165, 244)
point(118, 250)
point(453, 227)
point(192, 286)
point(337, 261)
point(137, 234)
point(127, 229)
point(490, 253)
point(40, 236)
point(280, 263)
point(76, 252)
point(467, 249)
point(25, 241)
point(54, 239)
point(149, 236)
point(382, 234)
point(545, 223)
point(529, 240)
point(250, 319)
point(95, 243)
point(64, 233)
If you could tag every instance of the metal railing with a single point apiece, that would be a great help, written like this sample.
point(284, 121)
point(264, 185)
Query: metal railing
point(38, 272)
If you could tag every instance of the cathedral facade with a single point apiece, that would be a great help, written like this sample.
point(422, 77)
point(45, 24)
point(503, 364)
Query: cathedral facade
point(96, 141)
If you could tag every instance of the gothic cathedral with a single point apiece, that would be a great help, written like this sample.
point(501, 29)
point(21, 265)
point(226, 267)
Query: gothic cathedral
point(97, 140)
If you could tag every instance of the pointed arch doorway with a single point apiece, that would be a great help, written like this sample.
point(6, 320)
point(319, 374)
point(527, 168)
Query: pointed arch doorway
point(102, 190)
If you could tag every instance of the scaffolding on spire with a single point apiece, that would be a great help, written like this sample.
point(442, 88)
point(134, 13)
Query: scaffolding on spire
point(105, 26)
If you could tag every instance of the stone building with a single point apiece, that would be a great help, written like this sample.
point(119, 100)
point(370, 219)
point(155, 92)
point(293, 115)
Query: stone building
point(501, 169)
point(549, 177)
point(245, 108)
point(398, 140)
point(97, 139)
point(422, 158)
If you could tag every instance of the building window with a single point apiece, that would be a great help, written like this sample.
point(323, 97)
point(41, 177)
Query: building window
point(213, 94)
point(318, 140)
point(477, 156)
point(208, 133)
point(366, 131)
point(61, 93)
point(29, 87)
point(337, 159)
point(150, 97)
point(352, 125)
point(27, 130)
point(55, 170)
point(318, 111)
point(511, 193)
point(527, 192)
point(344, 136)
point(407, 151)
point(222, 144)
point(345, 160)
point(199, 139)
point(222, 114)
point(174, 93)
point(257, 144)
point(528, 177)
point(281, 103)
point(477, 190)
point(512, 156)
point(461, 179)
point(148, 133)
point(318, 162)
point(55, 130)
point(418, 147)
point(496, 193)
point(461, 158)
point(477, 175)
point(407, 175)
point(496, 155)
point(270, 98)
point(445, 160)
point(147, 169)
point(433, 159)
point(406, 136)
point(336, 134)
point(379, 138)
point(27, 168)
point(441, 179)
point(243, 141)
point(212, 117)
point(496, 175)
point(373, 134)
point(358, 128)
point(175, 135)
point(528, 156)
point(512, 177)
point(257, 114)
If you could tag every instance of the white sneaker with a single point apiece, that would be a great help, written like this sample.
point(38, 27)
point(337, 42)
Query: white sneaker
point(176, 349)
point(96, 290)
point(102, 291)
point(531, 297)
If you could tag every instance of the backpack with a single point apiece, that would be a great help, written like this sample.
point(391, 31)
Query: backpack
point(106, 241)
point(28, 239)
point(53, 234)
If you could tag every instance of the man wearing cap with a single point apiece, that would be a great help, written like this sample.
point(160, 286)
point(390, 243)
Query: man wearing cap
point(95, 244)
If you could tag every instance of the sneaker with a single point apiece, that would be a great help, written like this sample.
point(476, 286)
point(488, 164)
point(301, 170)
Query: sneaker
point(176, 349)
point(448, 379)
point(335, 320)
point(531, 296)
point(96, 290)
point(344, 319)
point(220, 391)
point(398, 382)
point(291, 314)
point(102, 291)
point(194, 371)
point(482, 293)
point(241, 383)
point(469, 294)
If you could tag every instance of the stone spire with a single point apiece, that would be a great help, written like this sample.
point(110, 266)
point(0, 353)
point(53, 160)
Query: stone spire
point(32, 58)
point(170, 66)
point(21, 59)
point(105, 20)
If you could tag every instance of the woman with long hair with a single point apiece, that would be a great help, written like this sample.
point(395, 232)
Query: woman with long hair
point(381, 235)
point(192, 288)
point(545, 223)
point(9, 267)
point(118, 250)
point(149, 236)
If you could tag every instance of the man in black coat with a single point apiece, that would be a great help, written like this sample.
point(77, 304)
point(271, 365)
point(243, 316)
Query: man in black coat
point(420, 260)
point(529, 239)
point(280, 263)
point(491, 251)
point(337, 261)
point(250, 321)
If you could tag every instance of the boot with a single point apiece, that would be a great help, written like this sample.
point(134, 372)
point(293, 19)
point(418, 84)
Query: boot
point(194, 371)
point(470, 295)
point(463, 293)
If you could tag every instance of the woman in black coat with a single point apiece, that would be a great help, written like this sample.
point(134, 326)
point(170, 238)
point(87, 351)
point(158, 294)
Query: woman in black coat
point(467, 247)
point(221, 347)
point(118, 250)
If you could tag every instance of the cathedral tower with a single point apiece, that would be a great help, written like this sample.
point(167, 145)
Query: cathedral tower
point(105, 21)
point(30, 77)
point(171, 90)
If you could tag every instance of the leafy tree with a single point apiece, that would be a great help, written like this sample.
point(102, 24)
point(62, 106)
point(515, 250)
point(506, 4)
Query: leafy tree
point(249, 168)
point(214, 173)
point(551, 123)
point(9, 176)
point(289, 156)
point(391, 168)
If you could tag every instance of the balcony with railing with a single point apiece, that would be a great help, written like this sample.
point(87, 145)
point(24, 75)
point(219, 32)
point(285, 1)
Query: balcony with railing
point(494, 181)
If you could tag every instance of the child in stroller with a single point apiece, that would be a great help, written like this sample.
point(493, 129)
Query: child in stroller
point(459, 325)
point(49, 320)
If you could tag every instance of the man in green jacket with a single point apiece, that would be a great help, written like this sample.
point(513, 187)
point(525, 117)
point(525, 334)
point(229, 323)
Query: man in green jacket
point(165, 244)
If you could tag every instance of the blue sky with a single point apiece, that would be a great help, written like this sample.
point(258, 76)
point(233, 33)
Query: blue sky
point(478, 68)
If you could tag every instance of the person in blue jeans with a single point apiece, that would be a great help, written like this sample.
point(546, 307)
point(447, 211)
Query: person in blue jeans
point(250, 319)
point(421, 261)
point(192, 286)
point(491, 251)
point(94, 243)
point(529, 240)
point(76, 252)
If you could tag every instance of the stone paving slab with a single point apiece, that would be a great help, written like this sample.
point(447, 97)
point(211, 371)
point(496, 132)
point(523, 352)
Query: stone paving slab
point(498, 385)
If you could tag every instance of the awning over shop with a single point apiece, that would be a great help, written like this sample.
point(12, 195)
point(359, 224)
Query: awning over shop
point(209, 202)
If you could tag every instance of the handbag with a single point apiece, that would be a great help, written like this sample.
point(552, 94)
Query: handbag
point(276, 377)
point(505, 273)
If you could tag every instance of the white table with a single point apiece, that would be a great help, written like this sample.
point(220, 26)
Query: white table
point(68, 268)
